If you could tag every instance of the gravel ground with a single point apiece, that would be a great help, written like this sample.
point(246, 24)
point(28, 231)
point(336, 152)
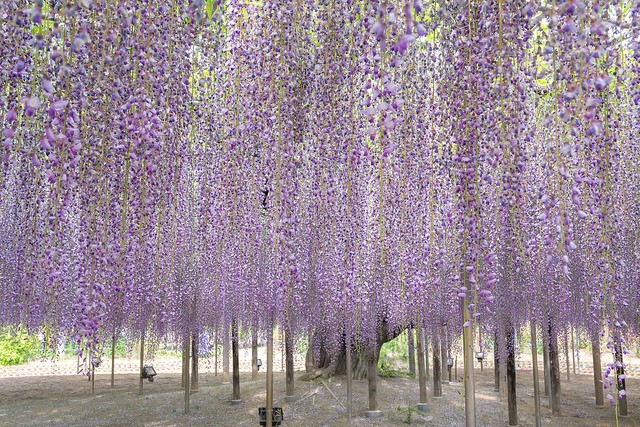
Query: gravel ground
point(67, 401)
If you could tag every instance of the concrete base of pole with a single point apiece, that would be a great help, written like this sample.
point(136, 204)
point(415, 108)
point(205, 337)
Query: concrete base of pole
point(373, 414)
point(235, 402)
point(423, 407)
point(291, 399)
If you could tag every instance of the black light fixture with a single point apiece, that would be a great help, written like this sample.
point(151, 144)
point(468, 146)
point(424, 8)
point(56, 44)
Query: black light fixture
point(148, 372)
point(480, 356)
point(450, 362)
point(96, 361)
point(258, 363)
point(276, 419)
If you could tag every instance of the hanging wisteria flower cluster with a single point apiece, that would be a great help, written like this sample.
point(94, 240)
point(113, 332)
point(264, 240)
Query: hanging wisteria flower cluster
point(329, 167)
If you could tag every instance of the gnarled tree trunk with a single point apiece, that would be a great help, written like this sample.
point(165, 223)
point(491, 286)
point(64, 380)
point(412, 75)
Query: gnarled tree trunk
point(329, 366)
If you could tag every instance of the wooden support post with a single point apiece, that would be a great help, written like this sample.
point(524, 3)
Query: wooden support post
point(372, 380)
point(496, 364)
point(269, 405)
point(443, 357)
point(215, 343)
point(290, 394)
point(511, 376)
point(621, 406)
point(225, 355)
point(554, 369)
point(422, 379)
point(545, 362)
point(597, 372)
point(186, 350)
point(437, 370)
point(469, 381)
point(236, 361)
point(573, 350)
point(349, 376)
point(185, 367)
point(141, 362)
point(254, 355)
point(411, 351)
point(113, 359)
point(195, 383)
point(566, 354)
point(426, 357)
point(536, 382)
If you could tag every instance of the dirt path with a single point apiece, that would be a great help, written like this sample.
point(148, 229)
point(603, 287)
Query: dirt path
point(67, 401)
